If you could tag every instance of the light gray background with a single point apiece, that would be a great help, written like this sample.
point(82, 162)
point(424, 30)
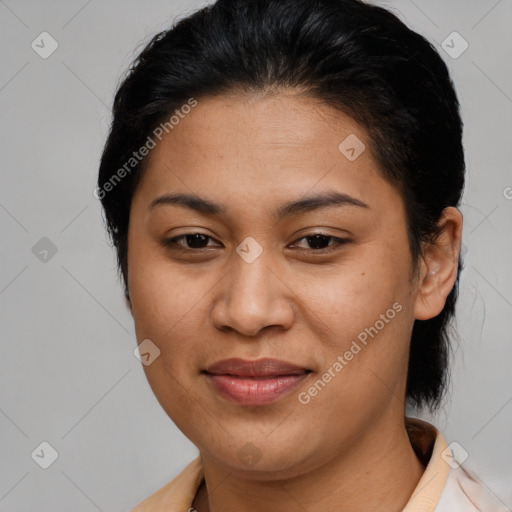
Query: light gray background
point(68, 373)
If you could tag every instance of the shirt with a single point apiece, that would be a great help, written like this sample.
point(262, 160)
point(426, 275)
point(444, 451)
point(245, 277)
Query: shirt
point(445, 486)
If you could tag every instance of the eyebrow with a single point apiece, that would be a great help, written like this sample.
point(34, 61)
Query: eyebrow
point(304, 205)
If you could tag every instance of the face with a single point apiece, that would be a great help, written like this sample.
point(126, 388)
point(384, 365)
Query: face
point(324, 284)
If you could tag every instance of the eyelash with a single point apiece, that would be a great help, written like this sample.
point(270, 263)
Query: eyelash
point(171, 243)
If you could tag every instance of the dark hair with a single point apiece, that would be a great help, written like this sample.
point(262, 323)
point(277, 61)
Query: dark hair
point(356, 57)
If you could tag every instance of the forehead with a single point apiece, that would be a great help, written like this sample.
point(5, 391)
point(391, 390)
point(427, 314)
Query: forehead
point(250, 147)
point(287, 123)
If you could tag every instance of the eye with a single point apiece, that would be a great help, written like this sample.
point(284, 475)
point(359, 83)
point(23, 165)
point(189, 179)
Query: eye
point(197, 242)
point(318, 242)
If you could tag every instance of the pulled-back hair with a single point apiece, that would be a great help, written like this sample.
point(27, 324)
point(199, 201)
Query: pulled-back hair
point(352, 56)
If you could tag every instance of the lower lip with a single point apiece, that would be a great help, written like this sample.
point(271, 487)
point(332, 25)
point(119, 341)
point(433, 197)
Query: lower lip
point(256, 391)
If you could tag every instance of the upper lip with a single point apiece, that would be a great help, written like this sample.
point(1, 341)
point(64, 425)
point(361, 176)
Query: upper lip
point(265, 367)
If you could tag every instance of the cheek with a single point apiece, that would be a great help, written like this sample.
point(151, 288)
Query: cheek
point(352, 297)
point(369, 331)
point(363, 367)
point(164, 296)
point(365, 316)
point(170, 307)
point(166, 307)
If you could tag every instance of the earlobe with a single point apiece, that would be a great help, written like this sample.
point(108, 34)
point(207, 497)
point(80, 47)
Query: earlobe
point(439, 266)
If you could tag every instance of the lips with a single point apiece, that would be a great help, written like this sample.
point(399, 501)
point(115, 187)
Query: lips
point(257, 382)
point(265, 367)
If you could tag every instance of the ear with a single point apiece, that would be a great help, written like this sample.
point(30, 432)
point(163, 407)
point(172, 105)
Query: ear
point(439, 267)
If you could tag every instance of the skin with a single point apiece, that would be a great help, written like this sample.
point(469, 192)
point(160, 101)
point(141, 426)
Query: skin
point(347, 449)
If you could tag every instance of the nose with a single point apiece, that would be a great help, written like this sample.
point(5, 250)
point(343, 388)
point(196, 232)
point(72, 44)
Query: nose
point(252, 297)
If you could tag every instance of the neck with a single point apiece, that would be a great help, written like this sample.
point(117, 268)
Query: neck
point(380, 471)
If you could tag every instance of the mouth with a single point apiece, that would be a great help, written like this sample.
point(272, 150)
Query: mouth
point(258, 382)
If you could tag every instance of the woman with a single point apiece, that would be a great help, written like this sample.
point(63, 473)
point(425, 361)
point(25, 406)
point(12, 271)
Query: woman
point(281, 183)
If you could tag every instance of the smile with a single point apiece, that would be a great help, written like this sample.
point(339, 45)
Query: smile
point(257, 382)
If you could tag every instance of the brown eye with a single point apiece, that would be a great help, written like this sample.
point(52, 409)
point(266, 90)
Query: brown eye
point(192, 241)
point(319, 242)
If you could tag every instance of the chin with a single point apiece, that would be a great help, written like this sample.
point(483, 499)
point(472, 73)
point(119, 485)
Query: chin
point(265, 459)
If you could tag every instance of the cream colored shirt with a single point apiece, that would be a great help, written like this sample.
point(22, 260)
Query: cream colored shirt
point(445, 486)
